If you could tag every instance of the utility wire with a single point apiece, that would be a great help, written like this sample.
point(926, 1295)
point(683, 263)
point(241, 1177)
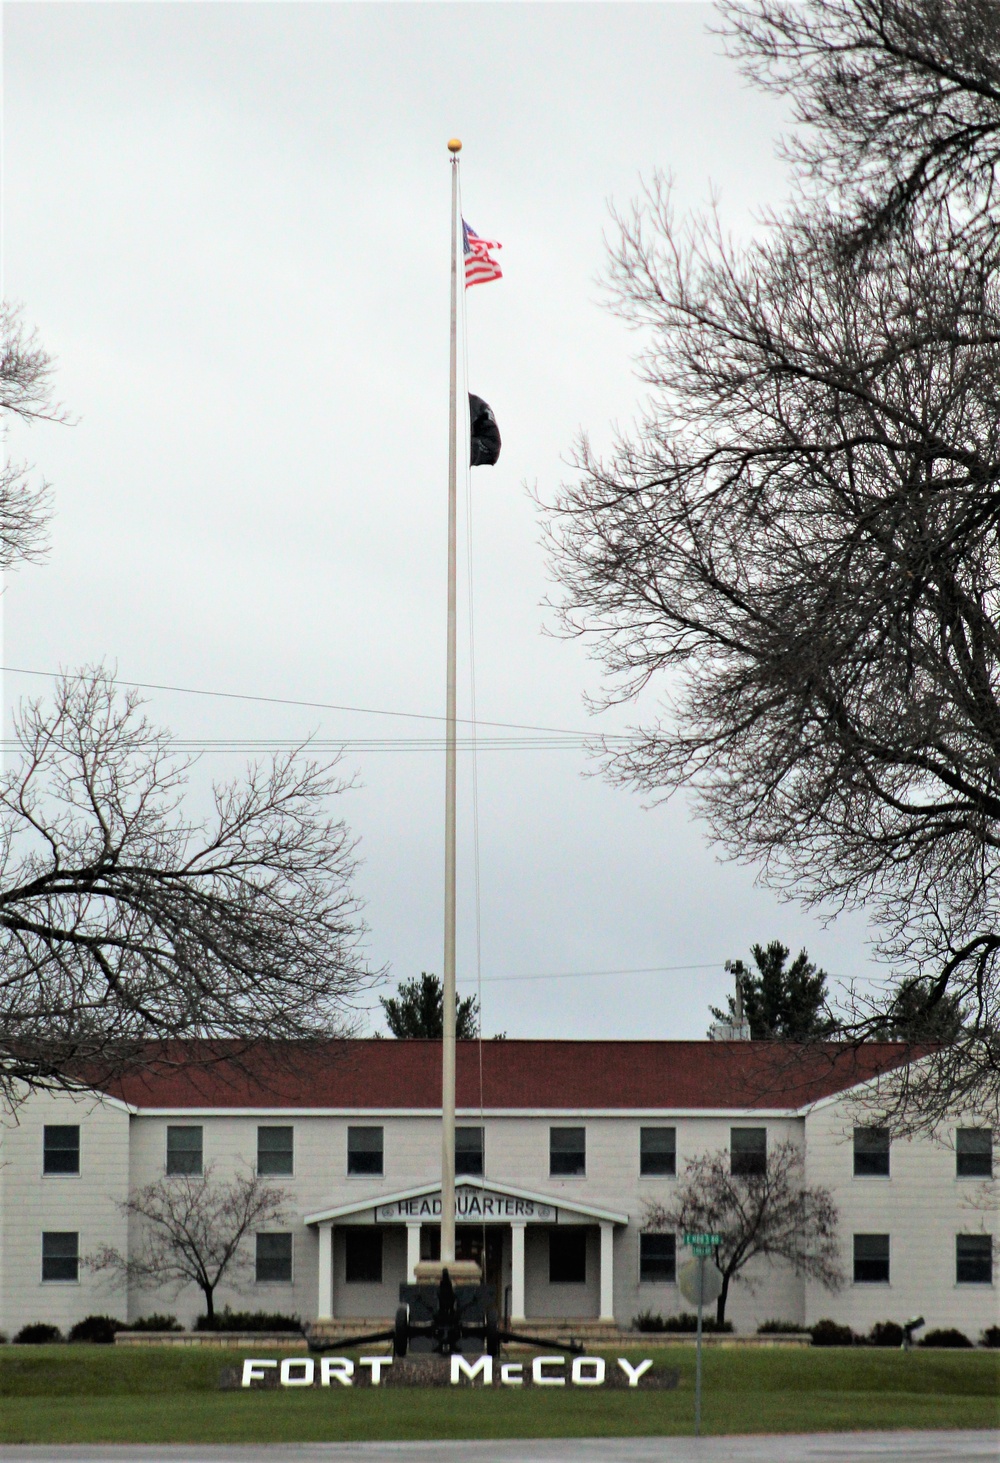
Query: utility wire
point(17, 670)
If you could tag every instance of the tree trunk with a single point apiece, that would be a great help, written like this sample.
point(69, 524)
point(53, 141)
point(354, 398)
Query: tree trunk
point(208, 1292)
point(720, 1304)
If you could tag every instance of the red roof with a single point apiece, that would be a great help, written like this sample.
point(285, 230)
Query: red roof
point(376, 1074)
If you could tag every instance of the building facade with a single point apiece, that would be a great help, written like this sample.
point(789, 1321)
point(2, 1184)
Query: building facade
point(560, 1151)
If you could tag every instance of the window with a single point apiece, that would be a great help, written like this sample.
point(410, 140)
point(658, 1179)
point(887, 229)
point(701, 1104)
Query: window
point(364, 1152)
point(974, 1153)
point(61, 1150)
point(363, 1254)
point(274, 1257)
point(657, 1257)
point(60, 1255)
point(974, 1259)
point(568, 1256)
point(657, 1150)
point(871, 1152)
point(468, 1150)
point(274, 1150)
point(567, 1150)
point(871, 1259)
point(184, 1150)
point(748, 1150)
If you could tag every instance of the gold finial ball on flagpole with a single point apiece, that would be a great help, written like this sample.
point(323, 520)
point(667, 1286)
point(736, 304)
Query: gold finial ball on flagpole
point(454, 145)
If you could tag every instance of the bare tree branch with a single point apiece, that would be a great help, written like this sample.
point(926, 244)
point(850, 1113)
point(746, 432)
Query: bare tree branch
point(124, 923)
point(770, 1215)
point(25, 393)
point(192, 1230)
point(897, 101)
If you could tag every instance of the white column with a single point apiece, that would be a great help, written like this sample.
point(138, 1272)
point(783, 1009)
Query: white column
point(517, 1272)
point(324, 1307)
point(607, 1272)
point(412, 1252)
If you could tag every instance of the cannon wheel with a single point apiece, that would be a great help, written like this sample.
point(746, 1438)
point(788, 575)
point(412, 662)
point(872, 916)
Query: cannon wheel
point(492, 1333)
point(401, 1331)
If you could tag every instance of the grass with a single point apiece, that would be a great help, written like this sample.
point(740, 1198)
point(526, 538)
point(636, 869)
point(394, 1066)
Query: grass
point(79, 1394)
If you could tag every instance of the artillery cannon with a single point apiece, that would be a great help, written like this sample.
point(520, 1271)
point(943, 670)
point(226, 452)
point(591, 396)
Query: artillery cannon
point(445, 1316)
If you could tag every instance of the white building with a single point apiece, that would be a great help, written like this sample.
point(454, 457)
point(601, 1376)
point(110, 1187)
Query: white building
point(557, 1156)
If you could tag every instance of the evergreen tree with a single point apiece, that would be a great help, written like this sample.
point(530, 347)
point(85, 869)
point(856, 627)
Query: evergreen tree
point(922, 1012)
point(417, 1009)
point(780, 1002)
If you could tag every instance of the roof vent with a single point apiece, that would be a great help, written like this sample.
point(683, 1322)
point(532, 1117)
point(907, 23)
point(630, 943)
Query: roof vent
point(736, 1030)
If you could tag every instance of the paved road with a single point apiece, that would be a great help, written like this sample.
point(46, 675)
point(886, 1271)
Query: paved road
point(896, 1447)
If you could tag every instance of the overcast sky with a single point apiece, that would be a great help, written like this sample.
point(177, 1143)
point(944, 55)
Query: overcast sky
point(230, 224)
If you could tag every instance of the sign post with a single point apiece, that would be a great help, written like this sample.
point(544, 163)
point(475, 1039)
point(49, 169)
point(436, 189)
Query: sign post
point(700, 1281)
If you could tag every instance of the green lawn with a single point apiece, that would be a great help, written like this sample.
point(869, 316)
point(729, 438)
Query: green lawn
point(64, 1394)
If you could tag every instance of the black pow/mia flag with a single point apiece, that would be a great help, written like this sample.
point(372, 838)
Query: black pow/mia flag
point(484, 437)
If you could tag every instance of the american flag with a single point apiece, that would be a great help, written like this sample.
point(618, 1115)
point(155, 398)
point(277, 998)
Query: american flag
point(479, 267)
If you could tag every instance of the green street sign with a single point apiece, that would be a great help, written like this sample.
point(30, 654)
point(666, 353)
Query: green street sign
point(703, 1241)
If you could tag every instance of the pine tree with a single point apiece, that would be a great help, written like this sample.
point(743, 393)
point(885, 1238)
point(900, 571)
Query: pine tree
point(418, 1010)
point(780, 1002)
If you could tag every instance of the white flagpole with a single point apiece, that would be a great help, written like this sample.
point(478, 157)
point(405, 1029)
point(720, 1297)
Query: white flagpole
point(448, 1042)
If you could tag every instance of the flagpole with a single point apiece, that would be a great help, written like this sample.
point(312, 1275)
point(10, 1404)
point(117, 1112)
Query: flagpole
point(449, 1002)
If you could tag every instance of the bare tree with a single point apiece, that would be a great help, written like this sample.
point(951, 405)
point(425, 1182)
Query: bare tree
point(126, 924)
point(898, 103)
point(192, 1230)
point(798, 547)
point(769, 1215)
point(25, 394)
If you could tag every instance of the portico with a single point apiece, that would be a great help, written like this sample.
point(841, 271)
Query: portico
point(522, 1238)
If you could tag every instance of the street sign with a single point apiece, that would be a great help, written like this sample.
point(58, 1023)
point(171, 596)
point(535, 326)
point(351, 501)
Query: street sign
point(702, 1244)
point(700, 1282)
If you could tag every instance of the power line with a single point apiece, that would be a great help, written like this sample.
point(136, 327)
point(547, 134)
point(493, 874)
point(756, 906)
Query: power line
point(312, 705)
point(717, 965)
point(586, 974)
point(357, 744)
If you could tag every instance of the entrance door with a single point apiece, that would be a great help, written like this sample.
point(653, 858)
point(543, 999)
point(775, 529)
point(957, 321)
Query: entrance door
point(484, 1244)
point(469, 1245)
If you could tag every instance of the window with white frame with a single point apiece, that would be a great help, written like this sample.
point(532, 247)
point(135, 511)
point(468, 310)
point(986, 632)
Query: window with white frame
point(61, 1148)
point(275, 1151)
point(365, 1150)
point(184, 1149)
point(274, 1258)
point(657, 1151)
point(469, 1151)
point(974, 1259)
point(871, 1259)
point(61, 1255)
point(748, 1151)
point(974, 1153)
point(658, 1257)
point(871, 1153)
point(567, 1151)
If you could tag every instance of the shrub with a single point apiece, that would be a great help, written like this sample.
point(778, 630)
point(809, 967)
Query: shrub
point(100, 1330)
point(688, 1321)
point(990, 1337)
point(885, 1333)
point(154, 1323)
point(227, 1320)
point(39, 1333)
point(781, 1328)
point(647, 1321)
point(947, 1337)
point(829, 1333)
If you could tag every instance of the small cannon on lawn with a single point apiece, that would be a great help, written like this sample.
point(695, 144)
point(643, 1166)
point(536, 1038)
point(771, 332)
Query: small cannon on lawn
point(444, 1315)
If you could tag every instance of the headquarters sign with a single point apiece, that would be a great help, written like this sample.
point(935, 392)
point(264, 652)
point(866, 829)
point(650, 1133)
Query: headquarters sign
point(471, 1205)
